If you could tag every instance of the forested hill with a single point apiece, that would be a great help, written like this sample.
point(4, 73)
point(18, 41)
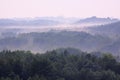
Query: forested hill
point(111, 30)
point(51, 40)
point(61, 64)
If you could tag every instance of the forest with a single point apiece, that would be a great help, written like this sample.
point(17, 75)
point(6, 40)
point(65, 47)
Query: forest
point(59, 64)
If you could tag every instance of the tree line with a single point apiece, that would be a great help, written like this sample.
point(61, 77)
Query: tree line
point(56, 65)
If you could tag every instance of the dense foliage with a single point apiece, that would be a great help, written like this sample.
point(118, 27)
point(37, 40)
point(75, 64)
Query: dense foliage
point(58, 65)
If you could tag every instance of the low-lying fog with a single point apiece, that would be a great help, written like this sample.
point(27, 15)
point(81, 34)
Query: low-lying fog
point(28, 29)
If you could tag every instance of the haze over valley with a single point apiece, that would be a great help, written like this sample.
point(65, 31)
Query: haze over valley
point(48, 33)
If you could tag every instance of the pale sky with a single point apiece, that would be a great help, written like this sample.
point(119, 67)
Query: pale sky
point(66, 8)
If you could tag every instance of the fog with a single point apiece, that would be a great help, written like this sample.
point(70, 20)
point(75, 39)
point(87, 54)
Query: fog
point(66, 27)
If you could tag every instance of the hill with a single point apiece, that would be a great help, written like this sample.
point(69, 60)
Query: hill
point(112, 30)
point(51, 40)
point(95, 19)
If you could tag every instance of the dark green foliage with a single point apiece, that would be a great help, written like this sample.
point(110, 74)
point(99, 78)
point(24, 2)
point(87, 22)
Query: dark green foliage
point(57, 65)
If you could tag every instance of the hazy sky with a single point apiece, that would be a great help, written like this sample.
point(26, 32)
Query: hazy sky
point(67, 8)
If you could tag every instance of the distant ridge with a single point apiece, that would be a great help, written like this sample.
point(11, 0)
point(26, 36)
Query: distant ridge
point(95, 19)
point(48, 21)
point(29, 22)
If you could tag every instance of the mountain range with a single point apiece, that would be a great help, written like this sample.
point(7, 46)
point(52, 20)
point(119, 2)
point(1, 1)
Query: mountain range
point(48, 21)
